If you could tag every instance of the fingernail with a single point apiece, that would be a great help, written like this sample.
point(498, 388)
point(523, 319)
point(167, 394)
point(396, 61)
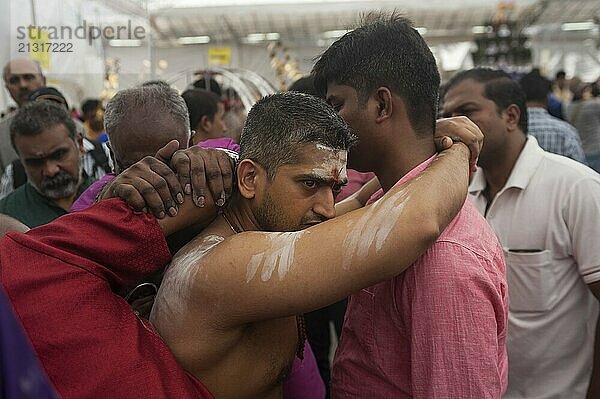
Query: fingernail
point(161, 214)
point(199, 201)
point(172, 211)
point(221, 201)
point(180, 198)
point(188, 189)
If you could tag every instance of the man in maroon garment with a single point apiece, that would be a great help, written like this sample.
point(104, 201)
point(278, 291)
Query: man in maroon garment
point(61, 279)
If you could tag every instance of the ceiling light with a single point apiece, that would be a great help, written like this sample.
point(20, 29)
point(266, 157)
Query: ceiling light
point(334, 34)
point(193, 40)
point(124, 43)
point(578, 26)
point(261, 37)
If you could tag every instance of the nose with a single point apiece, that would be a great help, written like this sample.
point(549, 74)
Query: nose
point(325, 205)
point(51, 168)
point(23, 83)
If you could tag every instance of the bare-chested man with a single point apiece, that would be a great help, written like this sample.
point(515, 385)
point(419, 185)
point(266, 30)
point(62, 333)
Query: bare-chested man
point(228, 303)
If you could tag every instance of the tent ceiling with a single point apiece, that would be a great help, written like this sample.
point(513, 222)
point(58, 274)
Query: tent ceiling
point(304, 24)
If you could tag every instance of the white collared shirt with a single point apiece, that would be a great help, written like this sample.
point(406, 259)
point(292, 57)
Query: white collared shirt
point(547, 218)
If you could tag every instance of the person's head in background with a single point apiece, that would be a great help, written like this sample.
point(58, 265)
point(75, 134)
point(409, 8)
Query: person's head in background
point(22, 76)
point(209, 83)
point(92, 115)
point(45, 138)
point(536, 89)
point(561, 80)
point(142, 119)
point(206, 112)
point(89, 108)
point(306, 85)
point(496, 104)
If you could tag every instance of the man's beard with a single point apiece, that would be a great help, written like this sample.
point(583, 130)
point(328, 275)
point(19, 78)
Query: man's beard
point(267, 215)
point(24, 95)
point(61, 185)
point(271, 217)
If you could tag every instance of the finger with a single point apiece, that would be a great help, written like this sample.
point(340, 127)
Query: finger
point(214, 178)
point(165, 153)
point(129, 194)
point(181, 164)
point(442, 143)
point(226, 167)
point(172, 181)
point(198, 178)
point(157, 195)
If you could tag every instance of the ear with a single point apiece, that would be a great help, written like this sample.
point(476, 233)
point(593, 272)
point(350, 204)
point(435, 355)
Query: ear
point(512, 116)
point(248, 174)
point(385, 107)
point(205, 123)
point(79, 141)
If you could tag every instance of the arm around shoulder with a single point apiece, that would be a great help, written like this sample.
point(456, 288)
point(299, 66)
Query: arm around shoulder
point(280, 274)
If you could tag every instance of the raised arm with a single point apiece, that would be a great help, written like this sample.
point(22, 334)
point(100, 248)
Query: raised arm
point(270, 275)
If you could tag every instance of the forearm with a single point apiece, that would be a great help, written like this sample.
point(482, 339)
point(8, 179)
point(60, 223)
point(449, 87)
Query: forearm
point(188, 215)
point(359, 198)
point(356, 250)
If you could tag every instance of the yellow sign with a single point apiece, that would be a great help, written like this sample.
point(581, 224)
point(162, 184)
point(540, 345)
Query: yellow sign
point(219, 55)
point(39, 47)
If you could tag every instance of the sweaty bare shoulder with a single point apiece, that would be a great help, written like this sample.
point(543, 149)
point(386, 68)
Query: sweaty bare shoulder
point(176, 292)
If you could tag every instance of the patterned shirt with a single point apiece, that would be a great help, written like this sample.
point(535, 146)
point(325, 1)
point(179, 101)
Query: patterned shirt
point(555, 135)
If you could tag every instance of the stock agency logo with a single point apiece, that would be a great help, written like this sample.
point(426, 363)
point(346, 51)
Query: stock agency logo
point(85, 31)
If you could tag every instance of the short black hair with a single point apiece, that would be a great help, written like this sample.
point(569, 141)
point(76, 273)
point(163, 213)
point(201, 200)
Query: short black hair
point(306, 85)
point(498, 87)
point(385, 51)
point(536, 87)
point(279, 123)
point(561, 75)
point(200, 103)
point(208, 83)
point(35, 117)
point(50, 94)
point(90, 105)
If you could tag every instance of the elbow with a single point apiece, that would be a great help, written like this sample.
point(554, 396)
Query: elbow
point(431, 231)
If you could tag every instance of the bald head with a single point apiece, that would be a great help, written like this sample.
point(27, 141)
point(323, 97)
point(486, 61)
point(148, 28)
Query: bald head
point(22, 76)
point(141, 120)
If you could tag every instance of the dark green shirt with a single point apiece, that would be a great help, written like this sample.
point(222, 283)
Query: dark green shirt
point(30, 207)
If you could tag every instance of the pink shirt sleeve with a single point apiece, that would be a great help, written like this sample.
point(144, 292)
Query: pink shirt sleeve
point(455, 315)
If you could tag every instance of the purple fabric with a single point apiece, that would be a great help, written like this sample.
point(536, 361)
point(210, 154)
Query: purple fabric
point(304, 381)
point(87, 198)
point(22, 375)
point(221, 142)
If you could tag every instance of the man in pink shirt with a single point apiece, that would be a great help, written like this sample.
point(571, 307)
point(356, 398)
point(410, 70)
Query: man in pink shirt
point(438, 330)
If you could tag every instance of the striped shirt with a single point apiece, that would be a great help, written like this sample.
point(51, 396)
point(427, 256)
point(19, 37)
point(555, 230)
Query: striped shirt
point(555, 135)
